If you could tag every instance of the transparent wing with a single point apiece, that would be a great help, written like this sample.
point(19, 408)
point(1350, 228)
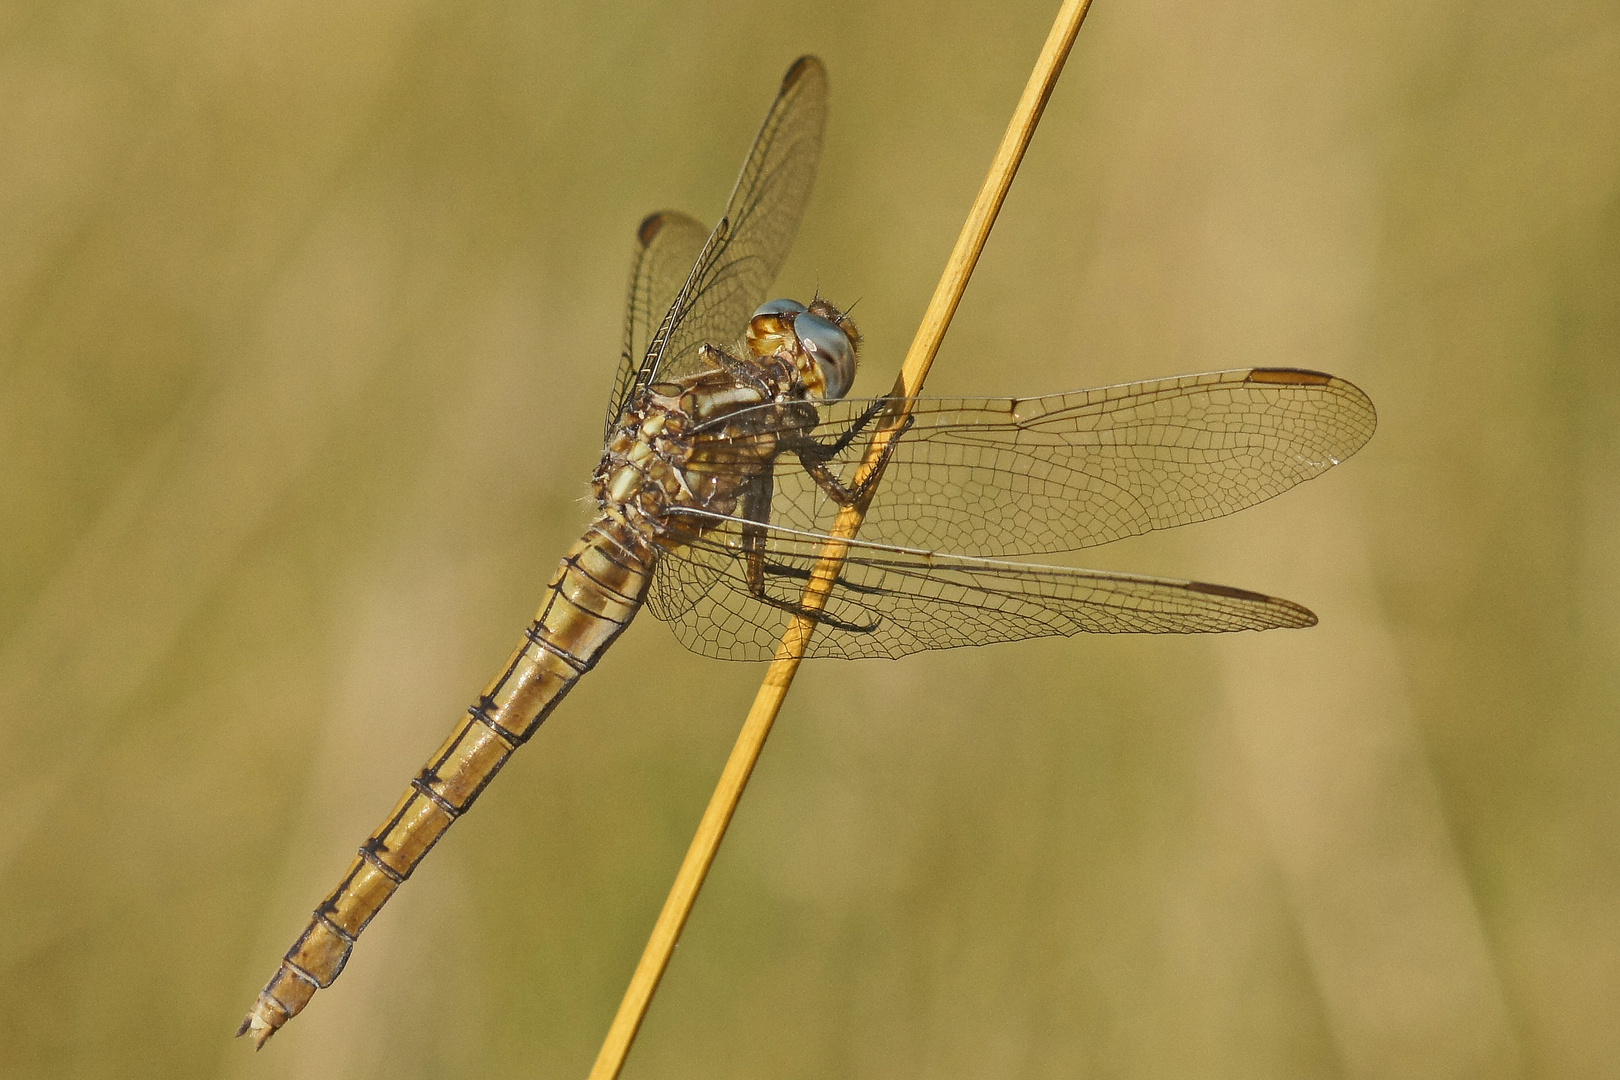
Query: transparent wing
point(667, 246)
point(892, 601)
point(1015, 476)
point(742, 255)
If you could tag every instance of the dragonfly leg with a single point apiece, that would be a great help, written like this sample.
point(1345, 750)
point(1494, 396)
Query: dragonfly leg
point(756, 504)
point(756, 587)
point(814, 458)
point(840, 444)
point(745, 373)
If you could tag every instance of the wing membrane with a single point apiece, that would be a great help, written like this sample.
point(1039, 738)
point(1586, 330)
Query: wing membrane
point(1017, 476)
point(892, 601)
point(743, 254)
point(667, 244)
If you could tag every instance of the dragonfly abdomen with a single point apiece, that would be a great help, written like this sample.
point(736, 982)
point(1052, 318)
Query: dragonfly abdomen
point(598, 588)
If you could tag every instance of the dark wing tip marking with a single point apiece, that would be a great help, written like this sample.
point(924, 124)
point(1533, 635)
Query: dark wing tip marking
point(1307, 377)
point(1289, 376)
point(1228, 590)
point(1297, 617)
point(803, 64)
point(651, 226)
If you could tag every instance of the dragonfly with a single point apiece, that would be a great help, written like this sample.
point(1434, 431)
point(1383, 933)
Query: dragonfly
point(729, 457)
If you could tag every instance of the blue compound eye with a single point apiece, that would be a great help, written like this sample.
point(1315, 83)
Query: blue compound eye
point(832, 349)
point(780, 307)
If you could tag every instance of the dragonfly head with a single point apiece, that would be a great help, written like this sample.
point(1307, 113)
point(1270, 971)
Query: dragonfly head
point(821, 340)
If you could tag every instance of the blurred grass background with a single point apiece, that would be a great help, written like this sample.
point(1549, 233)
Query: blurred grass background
point(307, 317)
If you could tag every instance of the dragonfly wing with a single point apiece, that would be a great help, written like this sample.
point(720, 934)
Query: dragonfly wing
point(890, 601)
point(743, 254)
point(667, 245)
point(1017, 476)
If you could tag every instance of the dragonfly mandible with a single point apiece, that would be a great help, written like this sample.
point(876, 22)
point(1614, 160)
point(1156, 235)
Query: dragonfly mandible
point(727, 460)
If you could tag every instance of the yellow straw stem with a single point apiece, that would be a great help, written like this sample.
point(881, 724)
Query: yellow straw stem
point(768, 702)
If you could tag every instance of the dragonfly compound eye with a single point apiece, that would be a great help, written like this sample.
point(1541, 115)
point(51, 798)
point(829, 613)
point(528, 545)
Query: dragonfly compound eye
point(826, 341)
point(779, 307)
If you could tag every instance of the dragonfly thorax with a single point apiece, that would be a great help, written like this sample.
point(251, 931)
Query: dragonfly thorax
point(677, 447)
point(700, 441)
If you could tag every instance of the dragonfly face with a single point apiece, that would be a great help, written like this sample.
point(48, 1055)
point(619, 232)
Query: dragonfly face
point(820, 333)
point(725, 466)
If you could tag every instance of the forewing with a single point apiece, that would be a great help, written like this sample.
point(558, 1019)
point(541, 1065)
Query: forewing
point(746, 249)
point(667, 246)
point(890, 601)
point(1015, 476)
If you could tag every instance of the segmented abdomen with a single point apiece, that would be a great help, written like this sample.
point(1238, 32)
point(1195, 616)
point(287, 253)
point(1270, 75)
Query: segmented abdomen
point(598, 588)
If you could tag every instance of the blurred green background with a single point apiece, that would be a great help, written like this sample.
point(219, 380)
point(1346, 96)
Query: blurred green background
point(308, 312)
